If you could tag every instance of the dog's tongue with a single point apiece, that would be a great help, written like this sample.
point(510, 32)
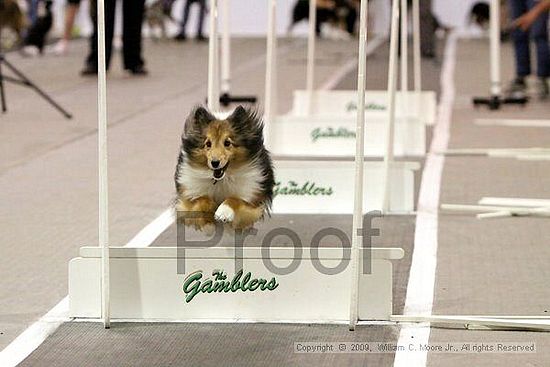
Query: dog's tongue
point(218, 173)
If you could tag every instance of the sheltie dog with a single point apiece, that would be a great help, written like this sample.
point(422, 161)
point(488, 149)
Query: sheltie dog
point(224, 172)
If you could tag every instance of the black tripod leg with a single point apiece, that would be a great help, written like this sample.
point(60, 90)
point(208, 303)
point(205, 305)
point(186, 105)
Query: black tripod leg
point(2, 95)
point(37, 89)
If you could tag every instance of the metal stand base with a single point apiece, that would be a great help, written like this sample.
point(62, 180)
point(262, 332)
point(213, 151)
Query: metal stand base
point(482, 322)
point(226, 99)
point(21, 79)
point(494, 102)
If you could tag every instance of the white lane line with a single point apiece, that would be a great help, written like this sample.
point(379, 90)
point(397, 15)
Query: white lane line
point(150, 232)
point(30, 339)
point(348, 67)
point(420, 289)
point(512, 122)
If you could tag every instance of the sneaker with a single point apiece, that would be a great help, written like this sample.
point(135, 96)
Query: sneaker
point(201, 38)
point(138, 70)
point(89, 70)
point(181, 37)
point(542, 89)
point(61, 47)
point(29, 51)
point(517, 88)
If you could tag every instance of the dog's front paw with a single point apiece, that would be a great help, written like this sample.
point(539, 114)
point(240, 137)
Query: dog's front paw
point(224, 213)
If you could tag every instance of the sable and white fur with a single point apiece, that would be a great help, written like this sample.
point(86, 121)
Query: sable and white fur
point(224, 173)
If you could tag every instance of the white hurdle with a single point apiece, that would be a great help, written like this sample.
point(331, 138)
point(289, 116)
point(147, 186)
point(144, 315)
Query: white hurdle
point(254, 284)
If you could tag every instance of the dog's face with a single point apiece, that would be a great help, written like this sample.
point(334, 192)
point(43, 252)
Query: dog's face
point(220, 144)
point(220, 147)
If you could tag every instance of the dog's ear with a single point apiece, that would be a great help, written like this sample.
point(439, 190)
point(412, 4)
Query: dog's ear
point(202, 116)
point(239, 115)
point(248, 126)
point(198, 119)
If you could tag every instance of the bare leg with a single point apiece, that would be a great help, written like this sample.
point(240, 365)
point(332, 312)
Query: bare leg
point(70, 15)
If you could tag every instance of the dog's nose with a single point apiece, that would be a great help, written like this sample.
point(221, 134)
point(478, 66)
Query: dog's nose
point(215, 164)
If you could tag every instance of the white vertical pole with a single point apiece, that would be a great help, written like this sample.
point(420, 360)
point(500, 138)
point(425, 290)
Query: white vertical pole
point(226, 48)
point(270, 72)
point(392, 87)
point(416, 46)
point(416, 58)
point(103, 165)
point(213, 60)
point(357, 239)
point(404, 49)
point(310, 72)
point(495, 47)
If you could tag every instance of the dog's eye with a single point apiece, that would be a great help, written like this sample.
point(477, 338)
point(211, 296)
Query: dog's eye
point(226, 143)
point(208, 144)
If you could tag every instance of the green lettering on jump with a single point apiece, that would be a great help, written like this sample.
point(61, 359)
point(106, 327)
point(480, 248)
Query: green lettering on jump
point(298, 189)
point(331, 132)
point(194, 283)
point(369, 106)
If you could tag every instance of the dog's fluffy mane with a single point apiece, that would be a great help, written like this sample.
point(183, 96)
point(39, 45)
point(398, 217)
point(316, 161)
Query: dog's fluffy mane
point(247, 125)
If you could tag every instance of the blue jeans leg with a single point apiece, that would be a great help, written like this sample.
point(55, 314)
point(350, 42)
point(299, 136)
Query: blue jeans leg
point(521, 39)
point(539, 34)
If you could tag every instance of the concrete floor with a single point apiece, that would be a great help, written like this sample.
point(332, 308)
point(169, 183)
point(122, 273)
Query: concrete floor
point(494, 267)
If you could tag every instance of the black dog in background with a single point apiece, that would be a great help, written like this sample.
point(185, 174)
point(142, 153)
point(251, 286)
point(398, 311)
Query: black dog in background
point(480, 14)
point(36, 35)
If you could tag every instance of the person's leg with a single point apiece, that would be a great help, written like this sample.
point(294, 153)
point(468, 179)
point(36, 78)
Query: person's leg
point(110, 11)
point(132, 18)
point(70, 14)
point(32, 12)
point(427, 29)
point(185, 17)
point(202, 14)
point(351, 18)
point(539, 34)
point(521, 40)
point(91, 59)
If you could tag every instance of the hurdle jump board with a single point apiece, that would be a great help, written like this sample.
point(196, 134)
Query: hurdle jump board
point(344, 103)
point(145, 285)
point(326, 187)
point(324, 135)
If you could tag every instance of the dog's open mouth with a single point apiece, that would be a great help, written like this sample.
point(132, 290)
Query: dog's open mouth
point(219, 173)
